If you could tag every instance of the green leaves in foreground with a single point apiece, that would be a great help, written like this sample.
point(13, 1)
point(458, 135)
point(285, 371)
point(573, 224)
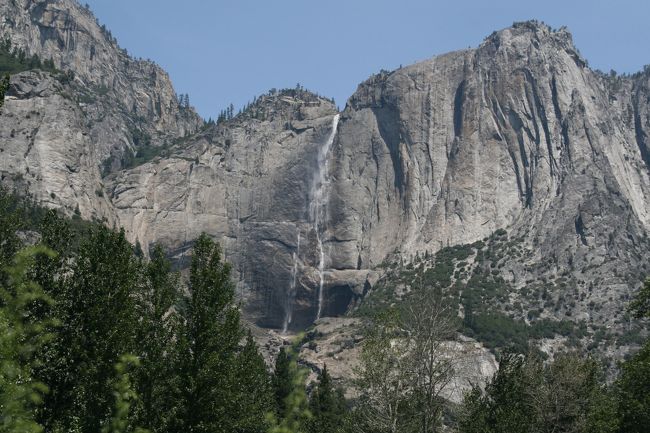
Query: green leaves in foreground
point(293, 413)
point(22, 334)
point(125, 397)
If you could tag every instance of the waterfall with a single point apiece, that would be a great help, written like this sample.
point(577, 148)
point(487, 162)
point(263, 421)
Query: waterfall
point(318, 205)
point(288, 312)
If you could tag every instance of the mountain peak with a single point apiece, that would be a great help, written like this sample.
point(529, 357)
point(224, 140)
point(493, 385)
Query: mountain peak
point(288, 103)
point(524, 35)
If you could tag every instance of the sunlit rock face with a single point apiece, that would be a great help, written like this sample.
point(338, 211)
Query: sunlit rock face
point(251, 183)
point(62, 131)
point(518, 134)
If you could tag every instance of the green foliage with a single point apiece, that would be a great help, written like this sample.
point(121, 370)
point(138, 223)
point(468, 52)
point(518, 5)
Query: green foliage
point(14, 60)
point(125, 397)
point(10, 222)
point(96, 303)
point(218, 385)
point(158, 381)
point(498, 330)
point(143, 154)
point(254, 396)
point(489, 315)
point(503, 406)
point(388, 377)
point(212, 333)
point(640, 306)
point(526, 395)
point(327, 405)
point(22, 335)
point(294, 416)
point(282, 381)
point(4, 86)
point(634, 392)
point(195, 375)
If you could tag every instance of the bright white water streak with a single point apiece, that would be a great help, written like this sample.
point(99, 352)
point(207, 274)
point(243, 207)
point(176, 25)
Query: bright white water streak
point(288, 314)
point(319, 204)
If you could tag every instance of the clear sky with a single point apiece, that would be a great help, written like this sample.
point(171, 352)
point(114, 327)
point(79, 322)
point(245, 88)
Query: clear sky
point(227, 51)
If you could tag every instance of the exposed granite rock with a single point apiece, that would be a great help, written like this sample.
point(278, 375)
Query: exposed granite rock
point(47, 150)
point(446, 151)
point(337, 344)
point(122, 98)
point(518, 133)
point(247, 182)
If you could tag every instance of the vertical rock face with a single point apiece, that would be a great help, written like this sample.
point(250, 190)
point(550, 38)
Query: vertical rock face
point(248, 181)
point(46, 148)
point(446, 151)
point(70, 35)
point(518, 134)
point(100, 110)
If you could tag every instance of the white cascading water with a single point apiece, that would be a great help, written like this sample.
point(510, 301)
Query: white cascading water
point(318, 205)
point(288, 313)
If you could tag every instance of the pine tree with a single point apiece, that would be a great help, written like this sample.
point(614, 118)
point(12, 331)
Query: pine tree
point(10, 222)
point(157, 379)
point(282, 383)
point(21, 337)
point(633, 385)
point(327, 405)
point(295, 416)
point(213, 335)
point(505, 406)
point(97, 308)
point(57, 235)
point(634, 392)
point(4, 86)
point(640, 306)
point(254, 394)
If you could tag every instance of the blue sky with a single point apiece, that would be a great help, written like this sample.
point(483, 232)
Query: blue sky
point(223, 52)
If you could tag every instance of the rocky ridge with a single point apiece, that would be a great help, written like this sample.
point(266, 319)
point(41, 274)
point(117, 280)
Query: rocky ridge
point(517, 134)
point(91, 119)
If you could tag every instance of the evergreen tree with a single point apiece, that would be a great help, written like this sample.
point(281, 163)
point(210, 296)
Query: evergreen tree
point(157, 379)
point(504, 406)
point(213, 333)
point(527, 395)
point(57, 235)
point(295, 416)
point(97, 308)
point(282, 381)
point(10, 222)
point(4, 86)
point(254, 394)
point(21, 336)
point(634, 393)
point(640, 306)
point(327, 405)
point(633, 384)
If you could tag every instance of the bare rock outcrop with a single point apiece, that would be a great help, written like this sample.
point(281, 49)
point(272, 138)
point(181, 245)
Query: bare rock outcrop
point(517, 134)
point(141, 94)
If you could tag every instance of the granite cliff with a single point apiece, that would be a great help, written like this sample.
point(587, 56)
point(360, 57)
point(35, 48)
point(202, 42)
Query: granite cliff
point(518, 134)
point(63, 131)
